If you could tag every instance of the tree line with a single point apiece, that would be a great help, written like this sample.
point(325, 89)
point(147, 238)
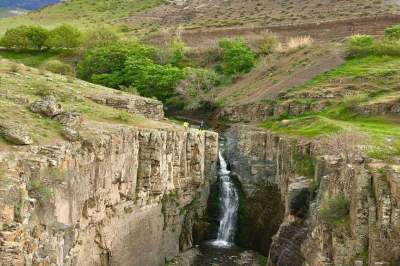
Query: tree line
point(34, 37)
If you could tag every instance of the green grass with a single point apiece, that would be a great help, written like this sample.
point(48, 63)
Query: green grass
point(380, 75)
point(377, 68)
point(29, 58)
point(81, 13)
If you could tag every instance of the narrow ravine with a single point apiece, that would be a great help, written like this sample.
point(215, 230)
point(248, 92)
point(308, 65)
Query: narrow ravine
point(229, 205)
point(222, 250)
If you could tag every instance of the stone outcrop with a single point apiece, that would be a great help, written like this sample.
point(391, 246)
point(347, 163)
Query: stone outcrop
point(368, 231)
point(15, 134)
point(47, 107)
point(121, 196)
point(150, 108)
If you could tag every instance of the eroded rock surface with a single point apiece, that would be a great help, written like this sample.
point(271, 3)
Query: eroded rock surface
point(15, 134)
point(47, 106)
point(119, 197)
point(367, 235)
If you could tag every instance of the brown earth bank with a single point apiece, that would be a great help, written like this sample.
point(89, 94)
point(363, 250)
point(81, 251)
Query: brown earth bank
point(326, 31)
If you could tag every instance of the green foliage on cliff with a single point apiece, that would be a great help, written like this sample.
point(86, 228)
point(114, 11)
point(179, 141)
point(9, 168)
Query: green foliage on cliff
point(304, 164)
point(40, 190)
point(335, 211)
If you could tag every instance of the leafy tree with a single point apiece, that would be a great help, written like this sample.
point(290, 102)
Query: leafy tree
point(105, 65)
point(100, 37)
point(37, 36)
point(64, 36)
point(25, 37)
point(238, 57)
point(150, 79)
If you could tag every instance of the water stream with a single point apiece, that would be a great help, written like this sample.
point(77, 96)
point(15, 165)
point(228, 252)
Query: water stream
point(229, 204)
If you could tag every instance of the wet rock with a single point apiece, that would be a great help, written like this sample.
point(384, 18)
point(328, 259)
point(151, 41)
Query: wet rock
point(15, 134)
point(47, 106)
point(71, 120)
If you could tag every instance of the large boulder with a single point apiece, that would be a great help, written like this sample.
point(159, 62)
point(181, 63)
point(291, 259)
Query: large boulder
point(15, 134)
point(47, 106)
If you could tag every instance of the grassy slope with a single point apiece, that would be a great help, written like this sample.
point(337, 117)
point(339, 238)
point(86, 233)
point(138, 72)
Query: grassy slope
point(276, 73)
point(357, 82)
point(18, 81)
point(154, 14)
point(82, 13)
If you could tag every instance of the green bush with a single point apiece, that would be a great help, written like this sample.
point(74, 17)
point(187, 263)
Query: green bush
point(335, 211)
point(268, 45)
point(100, 37)
point(359, 45)
point(105, 65)
point(393, 33)
point(150, 79)
point(177, 52)
point(132, 67)
point(200, 79)
point(237, 57)
point(40, 190)
point(25, 37)
point(58, 67)
point(64, 36)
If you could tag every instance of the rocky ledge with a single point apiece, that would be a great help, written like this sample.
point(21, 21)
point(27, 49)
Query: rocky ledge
point(121, 196)
point(335, 210)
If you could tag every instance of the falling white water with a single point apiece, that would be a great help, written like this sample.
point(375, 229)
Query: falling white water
point(229, 204)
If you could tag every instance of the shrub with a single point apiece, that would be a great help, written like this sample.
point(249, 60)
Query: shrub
point(359, 45)
point(296, 43)
point(100, 37)
point(40, 190)
point(58, 67)
point(25, 37)
point(64, 36)
point(150, 79)
point(393, 33)
point(335, 211)
point(198, 80)
point(237, 57)
point(105, 65)
point(177, 52)
point(268, 44)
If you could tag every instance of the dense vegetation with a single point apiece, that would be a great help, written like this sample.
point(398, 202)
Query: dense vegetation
point(103, 58)
point(38, 38)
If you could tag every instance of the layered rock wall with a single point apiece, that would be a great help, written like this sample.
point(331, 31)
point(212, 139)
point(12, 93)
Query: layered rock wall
point(122, 196)
point(367, 233)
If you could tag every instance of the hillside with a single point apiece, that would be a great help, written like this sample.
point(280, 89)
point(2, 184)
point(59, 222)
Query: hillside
point(20, 86)
point(23, 4)
point(82, 13)
point(153, 15)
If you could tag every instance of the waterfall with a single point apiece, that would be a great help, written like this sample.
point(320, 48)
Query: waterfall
point(229, 204)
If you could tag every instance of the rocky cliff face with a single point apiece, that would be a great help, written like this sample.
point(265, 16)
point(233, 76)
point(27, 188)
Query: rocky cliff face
point(336, 211)
point(121, 196)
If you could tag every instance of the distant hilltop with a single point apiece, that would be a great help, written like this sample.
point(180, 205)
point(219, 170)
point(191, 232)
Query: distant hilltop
point(26, 4)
